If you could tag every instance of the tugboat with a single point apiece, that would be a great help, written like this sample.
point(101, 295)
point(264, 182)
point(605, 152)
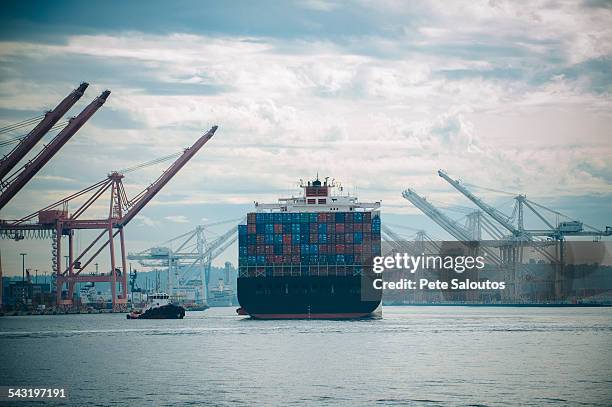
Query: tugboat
point(159, 306)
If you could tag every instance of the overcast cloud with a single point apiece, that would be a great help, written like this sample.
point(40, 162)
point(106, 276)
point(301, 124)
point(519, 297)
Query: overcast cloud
point(378, 94)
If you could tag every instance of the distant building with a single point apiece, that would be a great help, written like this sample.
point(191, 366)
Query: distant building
point(25, 294)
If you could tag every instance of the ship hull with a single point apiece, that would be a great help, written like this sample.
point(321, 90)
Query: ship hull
point(308, 297)
point(169, 311)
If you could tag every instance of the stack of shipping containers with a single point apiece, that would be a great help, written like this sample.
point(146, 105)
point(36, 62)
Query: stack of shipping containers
point(307, 243)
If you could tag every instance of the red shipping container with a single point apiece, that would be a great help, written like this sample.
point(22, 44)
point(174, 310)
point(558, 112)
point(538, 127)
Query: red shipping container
point(357, 227)
point(322, 249)
point(251, 229)
point(278, 228)
point(287, 239)
point(339, 227)
point(357, 248)
point(339, 249)
point(348, 248)
point(322, 217)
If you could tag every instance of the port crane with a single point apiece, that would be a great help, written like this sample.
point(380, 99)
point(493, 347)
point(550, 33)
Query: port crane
point(454, 228)
point(220, 245)
point(12, 184)
point(49, 120)
point(396, 242)
point(557, 231)
point(194, 253)
point(422, 242)
point(56, 223)
point(538, 238)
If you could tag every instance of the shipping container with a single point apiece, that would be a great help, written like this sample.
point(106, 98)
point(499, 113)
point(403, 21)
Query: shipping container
point(308, 240)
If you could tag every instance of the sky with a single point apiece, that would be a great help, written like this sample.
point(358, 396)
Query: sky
point(509, 96)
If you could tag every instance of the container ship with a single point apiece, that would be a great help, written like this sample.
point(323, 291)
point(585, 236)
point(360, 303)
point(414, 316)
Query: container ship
point(310, 256)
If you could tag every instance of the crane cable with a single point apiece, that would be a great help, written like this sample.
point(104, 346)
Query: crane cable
point(533, 203)
point(17, 139)
point(489, 189)
point(560, 214)
point(20, 124)
point(150, 163)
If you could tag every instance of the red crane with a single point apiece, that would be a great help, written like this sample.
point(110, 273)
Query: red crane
point(11, 185)
point(56, 223)
point(49, 120)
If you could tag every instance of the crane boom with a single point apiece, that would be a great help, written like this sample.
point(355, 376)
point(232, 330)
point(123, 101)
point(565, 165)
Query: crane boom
point(397, 242)
point(451, 226)
point(221, 243)
point(223, 247)
point(29, 141)
point(19, 180)
point(455, 229)
point(491, 211)
point(145, 196)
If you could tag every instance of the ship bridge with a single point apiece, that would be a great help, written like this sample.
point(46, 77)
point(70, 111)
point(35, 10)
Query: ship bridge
point(319, 196)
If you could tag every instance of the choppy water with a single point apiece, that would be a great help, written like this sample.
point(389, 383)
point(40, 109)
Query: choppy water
point(414, 356)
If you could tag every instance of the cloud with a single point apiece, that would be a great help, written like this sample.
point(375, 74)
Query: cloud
point(320, 5)
point(524, 106)
point(145, 221)
point(177, 218)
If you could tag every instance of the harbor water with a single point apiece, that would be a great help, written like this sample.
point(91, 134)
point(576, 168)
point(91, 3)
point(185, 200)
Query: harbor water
point(413, 355)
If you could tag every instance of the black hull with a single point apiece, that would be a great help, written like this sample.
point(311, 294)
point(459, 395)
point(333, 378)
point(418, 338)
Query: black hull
point(170, 311)
point(308, 297)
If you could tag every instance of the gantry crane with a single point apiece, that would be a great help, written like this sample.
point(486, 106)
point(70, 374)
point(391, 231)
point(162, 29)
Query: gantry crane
point(518, 233)
point(421, 241)
point(8, 162)
point(194, 253)
point(12, 184)
point(121, 210)
point(556, 231)
point(554, 234)
point(454, 228)
point(397, 243)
